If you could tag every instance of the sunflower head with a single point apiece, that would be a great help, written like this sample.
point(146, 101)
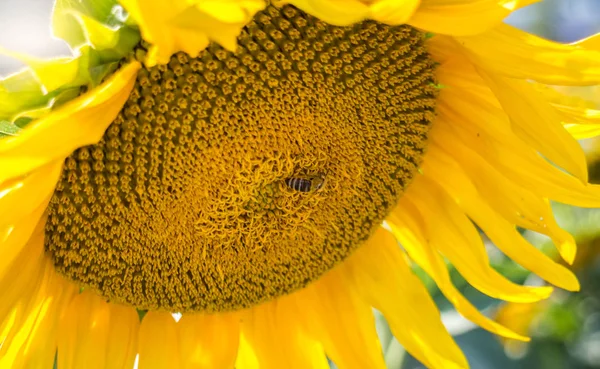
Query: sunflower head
point(186, 203)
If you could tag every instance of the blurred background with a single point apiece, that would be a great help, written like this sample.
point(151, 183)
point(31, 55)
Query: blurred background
point(565, 330)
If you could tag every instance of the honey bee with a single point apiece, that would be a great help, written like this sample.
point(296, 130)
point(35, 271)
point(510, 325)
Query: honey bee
point(305, 184)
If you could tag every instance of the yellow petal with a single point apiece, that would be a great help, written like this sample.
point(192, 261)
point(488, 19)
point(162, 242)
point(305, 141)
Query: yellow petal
point(97, 334)
point(381, 274)
point(228, 17)
point(407, 225)
point(583, 131)
point(579, 119)
point(462, 17)
point(246, 358)
point(209, 341)
point(22, 321)
point(519, 316)
point(33, 345)
point(336, 12)
point(182, 25)
point(516, 204)
point(13, 344)
point(55, 73)
point(15, 237)
point(152, 18)
point(347, 12)
point(393, 12)
point(579, 115)
point(20, 284)
point(77, 123)
point(504, 235)
point(334, 314)
point(41, 350)
point(20, 196)
point(274, 324)
point(158, 343)
point(453, 234)
point(311, 350)
point(459, 75)
point(82, 341)
point(6, 325)
point(538, 124)
point(488, 133)
point(12, 355)
point(122, 337)
point(511, 52)
point(580, 97)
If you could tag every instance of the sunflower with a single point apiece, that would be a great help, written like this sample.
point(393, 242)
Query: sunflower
point(237, 183)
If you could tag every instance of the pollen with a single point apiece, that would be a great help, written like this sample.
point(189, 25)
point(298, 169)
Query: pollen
point(186, 204)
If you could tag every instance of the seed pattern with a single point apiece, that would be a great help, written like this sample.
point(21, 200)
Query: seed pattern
point(182, 206)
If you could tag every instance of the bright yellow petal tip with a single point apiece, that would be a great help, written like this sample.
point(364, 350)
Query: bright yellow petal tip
point(77, 123)
point(189, 26)
point(463, 17)
point(346, 12)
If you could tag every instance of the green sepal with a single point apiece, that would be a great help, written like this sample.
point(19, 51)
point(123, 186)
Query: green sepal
point(20, 91)
point(8, 129)
point(62, 96)
point(46, 84)
point(100, 72)
point(112, 43)
point(35, 108)
point(63, 72)
point(22, 122)
point(69, 29)
point(99, 24)
point(56, 99)
point(100, 35)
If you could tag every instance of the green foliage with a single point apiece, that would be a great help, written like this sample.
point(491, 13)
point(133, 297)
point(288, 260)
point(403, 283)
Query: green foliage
point(67, 27)
point(8, 129)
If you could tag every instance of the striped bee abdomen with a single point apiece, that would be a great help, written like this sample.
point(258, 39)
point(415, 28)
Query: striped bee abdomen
point(299, 184)
point(304, 184)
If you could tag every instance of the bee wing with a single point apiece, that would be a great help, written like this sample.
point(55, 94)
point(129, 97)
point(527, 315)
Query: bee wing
point(317, 183)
